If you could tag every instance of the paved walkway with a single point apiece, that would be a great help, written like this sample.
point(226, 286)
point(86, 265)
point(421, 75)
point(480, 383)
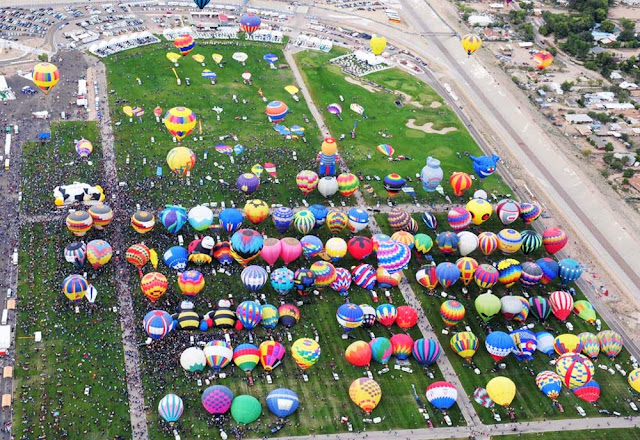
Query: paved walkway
point(125, 305)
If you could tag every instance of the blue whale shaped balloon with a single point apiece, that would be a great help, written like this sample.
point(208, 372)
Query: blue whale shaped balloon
point(484, 166)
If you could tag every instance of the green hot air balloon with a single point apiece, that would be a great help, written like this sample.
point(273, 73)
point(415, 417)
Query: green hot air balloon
point(245, 409)
point(487, 305)
point(531, 241)
point(584, 310)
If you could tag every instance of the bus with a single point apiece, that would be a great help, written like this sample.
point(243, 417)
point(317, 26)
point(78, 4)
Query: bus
point(7, 145)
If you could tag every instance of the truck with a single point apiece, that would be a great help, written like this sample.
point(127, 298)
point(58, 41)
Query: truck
point(41, 115)
point(7, 145)
point(5, 339)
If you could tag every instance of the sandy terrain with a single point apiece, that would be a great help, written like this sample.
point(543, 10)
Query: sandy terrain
point(427, 127)
point(358, 83)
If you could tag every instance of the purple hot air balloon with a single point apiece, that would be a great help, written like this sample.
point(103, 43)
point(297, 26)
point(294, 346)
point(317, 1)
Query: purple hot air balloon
point(248, 183)
point(217, 399)
point(426, 351)
point(550, 269)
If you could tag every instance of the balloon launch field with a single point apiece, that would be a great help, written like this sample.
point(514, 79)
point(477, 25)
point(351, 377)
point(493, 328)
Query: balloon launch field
point(254, 296)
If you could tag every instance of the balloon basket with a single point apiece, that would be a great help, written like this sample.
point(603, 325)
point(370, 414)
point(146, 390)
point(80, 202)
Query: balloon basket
point(157, 118)
point(345, 336)
point(250, 381)
point(130, 119)
point(217, 117)
point(269, 380)
point(264, 98)
point(305, 377)
point(202, 64)
point(369, 375)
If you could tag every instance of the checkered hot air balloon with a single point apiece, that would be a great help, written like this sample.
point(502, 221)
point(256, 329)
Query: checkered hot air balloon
point(305, 352)
point(217, 399)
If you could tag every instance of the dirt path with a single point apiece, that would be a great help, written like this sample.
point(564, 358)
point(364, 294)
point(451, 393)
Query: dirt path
point(361, 84)
point(427, 127)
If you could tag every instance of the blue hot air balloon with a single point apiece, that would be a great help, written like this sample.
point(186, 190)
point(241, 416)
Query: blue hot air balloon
point(525, 342)
point(550, 269)
point(320, 213)
point(499, 345)
point(170, 408)
point(311, 246)
point(254, 277)
point(447, 274)
point(173, 218)
point(282, 402)
point(201, 3)
point(282, 218)
point(349, 316)
point(570, 270)
point(176, 257)
point(447, 242)
point(157, 324)
point(230, 220)
point(426, 351)
point(249, 23)
point(249, 314)
point(545, 343)
point(358, 219)
point(282, 280)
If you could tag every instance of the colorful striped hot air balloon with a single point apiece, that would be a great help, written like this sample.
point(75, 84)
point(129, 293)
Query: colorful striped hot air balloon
point(465, 344)
point(610, 343)
point(307, 181)
point(561, 304)
point(460, 182)
point(486, 276)
point(554, 240)
point(467, 267)
point(246, 357)
point(442, 395)
point(184, 43)
point(180, 121)
point(426, 351)
point(452, 312)
point(590, 344)
point(426, 276)
point(364, 275)
point(509, 271)
point(347, 184)
point(277, 111)
point(218, 354)
point(45, 76)
point(349, 316)
point(170, 408)
point(79, 222)
point(567, 343)
point(402, 345)
point(487, 242)
point(305, 352)
point(75, 287)
point(271, 354)
point(386, 314)
point(381, 350)
point(574, 370)
point(249, 314)
point(549, 383)
point(324, 272)
point(499, 345)
point(154, 285)
point(249, 23)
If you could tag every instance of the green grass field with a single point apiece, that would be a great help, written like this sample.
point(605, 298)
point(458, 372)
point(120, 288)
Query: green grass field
point(593, 434)
point(262, 144)
point(529, 403)
point(326, 83)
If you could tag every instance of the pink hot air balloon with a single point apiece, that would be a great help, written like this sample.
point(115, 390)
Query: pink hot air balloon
point(271, 250)
point(561, 304)
point(290, 250)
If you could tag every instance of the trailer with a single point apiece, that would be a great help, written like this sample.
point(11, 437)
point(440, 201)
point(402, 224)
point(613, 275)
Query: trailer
point(5, 339)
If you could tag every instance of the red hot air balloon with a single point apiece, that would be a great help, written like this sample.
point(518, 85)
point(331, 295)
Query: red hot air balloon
point(554, 239)
point(407, 317)
point(561, 304)
point(358, 354)
point(360, 247)
point(402, 345)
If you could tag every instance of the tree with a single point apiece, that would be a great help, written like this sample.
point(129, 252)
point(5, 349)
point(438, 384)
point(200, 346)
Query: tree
point(628, 173)
point(43, 57)
point(529, 33)
point(608, 147)
point(624, 95)
point(628, 30)
point(607, 26)
point(566, 86)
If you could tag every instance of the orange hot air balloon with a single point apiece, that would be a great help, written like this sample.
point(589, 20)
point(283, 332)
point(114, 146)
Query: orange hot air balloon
point(543, 59)
point(154, 285)
point(460, 182)
point(358, 354)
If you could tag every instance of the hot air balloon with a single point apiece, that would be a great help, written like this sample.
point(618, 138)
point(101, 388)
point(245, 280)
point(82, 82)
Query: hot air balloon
point(509, 271)
point(307, 181)
point(540, 307)
point(486, 276)
point(570, 271)
point(584, 309)
point(320, 214)
point(324, 272)
point(360, 247)
point(442, 395)
point(531, 241)
point(143, 221)
point(398, 219)
point(336, 248)
point(480, 210)
point(217, 399)
point(543, 59)
point(459, 218)
point(487, 242)
point(422, 243)
point(180, 121)
point(282, 218)
point(358, 354)
point(45, 76)
point(502, 390)
point(248, 183)
point(590, 344)
point(138, 255)
point(305, 352)
point(377, 44)
point(467, 267)
point(342, 282)
point(184, 43)
point(277, 111)
point(366, 393)
point(407, 317)
point(369, 315)
point(549, 383)
point(79, 222)
point(482, 398)
point(509, 241)
point(610, 343)
point(289, 315)
point(531, 274)
point(218, 354)
point(246, 245)
point(426, 351)
point(499, 345)
point(271, 249)
point(282, 280)
point(447, 274)
point(304, 221)
point(246, 357)
point(554, 240)
point(101, 214)
point(567, 343)
point(529, 212)
point(525, 343)
point(545, 343)
point(175, 257)
point(574, 369)
point(430, 220)
point(393, 183)
point(561, 304)
point(358, 219)
point(249, 314)
point(245, 409)
point(170, 408)
point(467, 242)
point(447, 242)
point(487, 305)
point(84, 148)
point(157, 324)
point(381, 350)
point(173, 218)
point(154, 285)
point(365, 276)
point(304, 281)
point(465, 344)
point(511, 306)
point(427, 277)
point(471, 43)
point(386, 314)
point(634, 379)
point(282, 402)
point(349, 316)
point(337, 221)
point(589, 392)
point(249, 23)
point(452, 312)
point(76, 254)
point(271, 354)
point(460, 182)
point(193, 360)
point(507, 211)
point(386, 150)
point(181, 160)
point(550, 269)
point(347, 184)
point(99, 253)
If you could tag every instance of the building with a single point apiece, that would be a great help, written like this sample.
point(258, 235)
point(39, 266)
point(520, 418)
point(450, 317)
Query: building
point(480, 20)
point(578, 118)
point(628, 85)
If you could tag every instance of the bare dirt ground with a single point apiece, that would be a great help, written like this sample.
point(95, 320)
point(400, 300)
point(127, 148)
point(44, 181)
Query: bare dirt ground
point(625, 11)
point(427, 127)
point(361, 84)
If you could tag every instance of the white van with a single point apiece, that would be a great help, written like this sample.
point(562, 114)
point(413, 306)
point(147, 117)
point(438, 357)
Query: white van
point(5, 317)
point(9, 292)
point(14, 257)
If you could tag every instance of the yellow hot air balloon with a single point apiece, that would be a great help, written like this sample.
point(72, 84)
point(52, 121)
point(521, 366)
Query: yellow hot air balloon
point(377, 44)
point(198, 58)
point(634, 379)
point(127, 110)
point(181, 160)
point(45, 76)
point(217, 58)
point(471, 43)
point(291, 89)
point(502, 390)
point(173, 57)
point(305, 352)
point(366, 393)
point(180, 121)
point(153, 257)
